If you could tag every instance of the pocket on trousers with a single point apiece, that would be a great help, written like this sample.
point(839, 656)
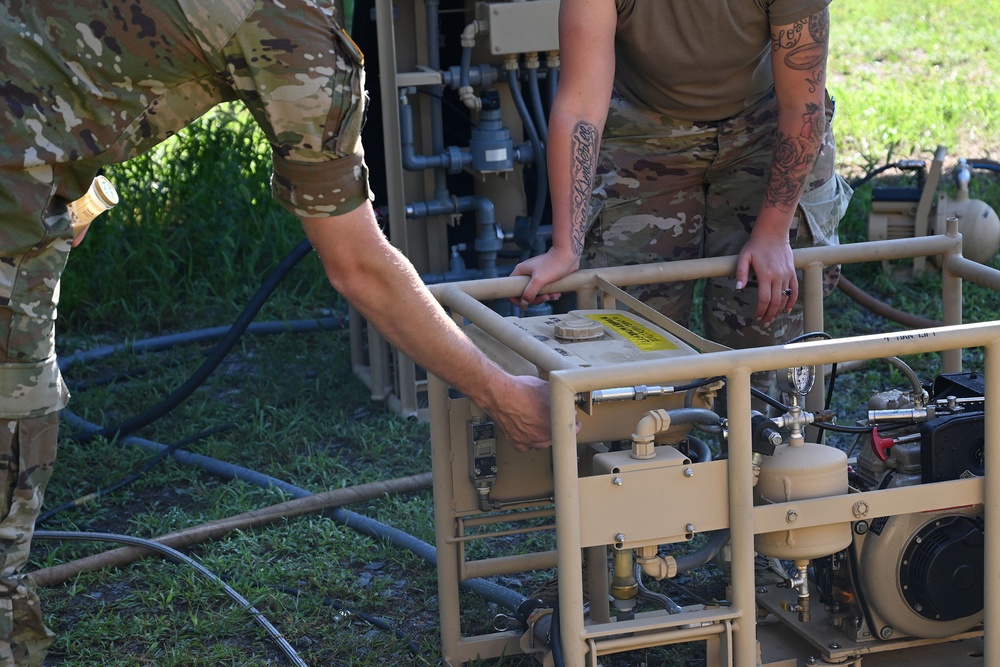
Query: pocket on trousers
point(822, 209)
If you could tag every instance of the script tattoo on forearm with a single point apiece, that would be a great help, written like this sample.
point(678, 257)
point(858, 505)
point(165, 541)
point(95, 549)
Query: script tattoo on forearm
point(584, 164)
point(793, 158)
point(809, 57)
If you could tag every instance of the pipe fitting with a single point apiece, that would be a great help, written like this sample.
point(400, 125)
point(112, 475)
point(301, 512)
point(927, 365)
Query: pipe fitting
point(624, 588)
point(653, 422)
point(469, 98)
point(658, 567)
point(468, 38)
point(624, 585)
point(800, 582)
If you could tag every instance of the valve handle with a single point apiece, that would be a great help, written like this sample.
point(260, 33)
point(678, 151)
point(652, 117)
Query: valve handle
point(880, 444)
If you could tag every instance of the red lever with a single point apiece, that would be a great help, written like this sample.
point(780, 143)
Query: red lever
point(880, 444)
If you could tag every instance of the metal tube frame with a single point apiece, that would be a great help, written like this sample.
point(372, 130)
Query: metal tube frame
point(581, 637)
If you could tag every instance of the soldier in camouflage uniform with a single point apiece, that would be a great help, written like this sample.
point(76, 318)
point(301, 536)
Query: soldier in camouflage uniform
point(94, 82)
point(649, 205)
point(682, 131)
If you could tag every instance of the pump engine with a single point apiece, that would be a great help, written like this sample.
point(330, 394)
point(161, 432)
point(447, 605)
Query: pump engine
point(917, 575)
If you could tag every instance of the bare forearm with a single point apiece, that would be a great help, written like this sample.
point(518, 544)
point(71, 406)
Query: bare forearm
point(573, 152)
point(384, 287)
point(799, 51)
point(796, 148)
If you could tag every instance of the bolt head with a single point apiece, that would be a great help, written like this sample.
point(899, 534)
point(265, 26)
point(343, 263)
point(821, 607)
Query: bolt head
point(689, 472)
point(619, 537)
point(617, 481)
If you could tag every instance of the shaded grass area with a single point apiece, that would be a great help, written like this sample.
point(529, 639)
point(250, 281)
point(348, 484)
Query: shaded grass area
point(288, 419)
point(196, 235)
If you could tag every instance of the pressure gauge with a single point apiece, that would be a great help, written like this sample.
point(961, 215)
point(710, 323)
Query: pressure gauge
point(797, 379)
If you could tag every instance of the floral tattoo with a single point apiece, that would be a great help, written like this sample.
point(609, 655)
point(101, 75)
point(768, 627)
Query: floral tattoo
point(793, 158)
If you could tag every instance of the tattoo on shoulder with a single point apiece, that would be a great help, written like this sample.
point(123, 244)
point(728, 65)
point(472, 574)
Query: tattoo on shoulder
point(583, 166)
point(809, 56)
point(819, 25)
point(788, 37)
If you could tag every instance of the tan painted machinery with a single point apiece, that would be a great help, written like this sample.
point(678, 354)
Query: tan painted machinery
point(883, 559)
point(880, 559)
point(922, 209)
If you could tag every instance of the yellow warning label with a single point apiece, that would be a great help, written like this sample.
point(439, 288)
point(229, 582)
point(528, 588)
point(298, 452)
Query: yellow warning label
point(645, 339)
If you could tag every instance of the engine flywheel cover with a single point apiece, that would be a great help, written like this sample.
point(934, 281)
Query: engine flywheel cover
point(942, 569)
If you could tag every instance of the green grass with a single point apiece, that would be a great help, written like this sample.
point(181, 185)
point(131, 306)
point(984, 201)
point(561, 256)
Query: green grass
point(196, 218)
point(196, 234)
point(909, 76)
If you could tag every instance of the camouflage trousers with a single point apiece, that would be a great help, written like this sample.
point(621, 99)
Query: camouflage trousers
point(27, 454)
point(668, 190)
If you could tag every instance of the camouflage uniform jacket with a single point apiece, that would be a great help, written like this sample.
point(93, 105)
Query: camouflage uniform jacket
point(95, 82)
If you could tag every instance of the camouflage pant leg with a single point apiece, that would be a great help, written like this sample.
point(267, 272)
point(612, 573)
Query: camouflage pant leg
point(649, 199)
point(27, 454)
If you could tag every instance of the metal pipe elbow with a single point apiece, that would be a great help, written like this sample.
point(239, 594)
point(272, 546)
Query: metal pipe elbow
point(653, 422)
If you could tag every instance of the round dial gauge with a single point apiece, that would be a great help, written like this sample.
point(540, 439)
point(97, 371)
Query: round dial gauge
point(797, 379)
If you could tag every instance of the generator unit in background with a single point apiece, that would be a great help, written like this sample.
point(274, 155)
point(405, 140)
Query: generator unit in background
point(871, 561)
point(921, 210)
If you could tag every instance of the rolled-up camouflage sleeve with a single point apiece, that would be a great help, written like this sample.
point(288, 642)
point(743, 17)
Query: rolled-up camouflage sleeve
point(302, 78)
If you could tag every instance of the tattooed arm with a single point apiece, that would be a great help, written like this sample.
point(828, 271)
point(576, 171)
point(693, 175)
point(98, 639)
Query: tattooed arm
point(587, 53)
point(798, 59)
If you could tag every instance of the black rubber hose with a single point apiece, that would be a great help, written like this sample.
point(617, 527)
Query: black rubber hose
point(214, 358)
point(557, 654)
point(842, 428)
point(857, 183)
point(197, 336)
point(770, 400)
point(879, 307)
point(716, 540)
point(699, 448)
point(984, 164)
